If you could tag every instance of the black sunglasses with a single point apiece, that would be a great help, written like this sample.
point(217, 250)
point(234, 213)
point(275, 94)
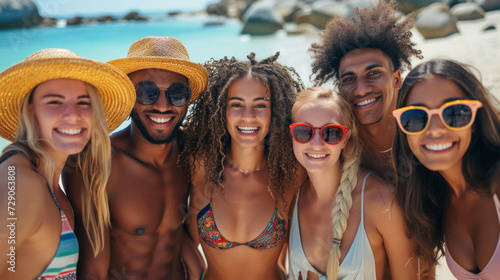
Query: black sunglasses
point(178, 94)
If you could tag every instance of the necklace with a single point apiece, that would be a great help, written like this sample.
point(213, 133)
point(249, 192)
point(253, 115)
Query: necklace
point(385, 151)
point(246, 172)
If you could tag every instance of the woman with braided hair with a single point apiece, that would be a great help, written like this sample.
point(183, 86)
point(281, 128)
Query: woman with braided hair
point(364, 237)
point(238, 155)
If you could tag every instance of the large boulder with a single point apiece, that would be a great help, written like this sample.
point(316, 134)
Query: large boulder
point(106, 18)
point(135, 16)
point(288, 9)
point(74, 20)
point(467, 11)
point(49, 22)
point(217, 9)
point(321, 13)
point(436, 21)
point(488, 5)
point(408, 6)
point(261, 19)
point(18, 13)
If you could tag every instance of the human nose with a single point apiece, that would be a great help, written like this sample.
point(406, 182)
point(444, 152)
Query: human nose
point(71, 111)
point(162, 103)
point(248, 113)
point(436, 126)
point(316, 137)
point(362, 87)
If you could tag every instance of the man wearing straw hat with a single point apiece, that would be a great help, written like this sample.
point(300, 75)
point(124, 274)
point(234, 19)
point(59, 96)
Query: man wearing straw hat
point(147, 191)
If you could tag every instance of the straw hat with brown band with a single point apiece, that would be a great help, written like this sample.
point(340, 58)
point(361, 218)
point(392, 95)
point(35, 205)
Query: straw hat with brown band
point(164, 53)
point(16, 82)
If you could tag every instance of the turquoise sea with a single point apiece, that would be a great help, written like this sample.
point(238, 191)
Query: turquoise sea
point(108, 41)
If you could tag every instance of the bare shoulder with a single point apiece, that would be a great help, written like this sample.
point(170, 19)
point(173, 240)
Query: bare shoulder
point(29, 189)
point(379, 196)
point(121, 138)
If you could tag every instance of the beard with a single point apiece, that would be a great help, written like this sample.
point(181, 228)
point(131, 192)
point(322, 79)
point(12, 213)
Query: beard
point(158, 139)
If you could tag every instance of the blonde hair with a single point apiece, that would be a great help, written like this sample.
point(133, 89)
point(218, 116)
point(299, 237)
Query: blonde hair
point(94, 161)
point(350, 159)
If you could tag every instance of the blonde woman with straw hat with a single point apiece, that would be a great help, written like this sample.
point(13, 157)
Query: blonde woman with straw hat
point(52, 105)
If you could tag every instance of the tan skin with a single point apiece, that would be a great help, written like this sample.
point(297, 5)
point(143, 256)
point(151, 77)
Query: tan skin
point(471, 227)
point(246, 206)
point(383, 217)
point(57, 105)
point(147, 196)
point(366, 74)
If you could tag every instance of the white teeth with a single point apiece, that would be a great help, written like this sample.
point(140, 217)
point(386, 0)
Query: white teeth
point(317, 155)
point(159, 120)
point(366, 102)
point(248, 129)
point(438, 147)
point(70, 131)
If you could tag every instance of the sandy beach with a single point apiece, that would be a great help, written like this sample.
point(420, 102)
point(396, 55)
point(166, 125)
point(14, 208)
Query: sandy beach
point(472, 45)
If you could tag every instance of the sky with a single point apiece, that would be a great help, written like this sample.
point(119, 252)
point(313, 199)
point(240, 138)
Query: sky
point(60, 8)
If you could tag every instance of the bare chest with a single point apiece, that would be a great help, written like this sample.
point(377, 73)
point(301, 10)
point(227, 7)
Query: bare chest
point(145, 201)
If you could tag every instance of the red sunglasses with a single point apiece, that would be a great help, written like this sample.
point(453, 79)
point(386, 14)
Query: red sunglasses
point(332, 134)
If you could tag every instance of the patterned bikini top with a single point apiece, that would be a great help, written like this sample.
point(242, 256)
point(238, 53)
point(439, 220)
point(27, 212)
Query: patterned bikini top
point(63, 264)
point(272, 235)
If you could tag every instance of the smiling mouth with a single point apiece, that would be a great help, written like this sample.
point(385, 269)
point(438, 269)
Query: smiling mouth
point(247, 129)
point(70, 131)
point(159, 120)
point(317, 156)
point(366, 102)
point(438, 147)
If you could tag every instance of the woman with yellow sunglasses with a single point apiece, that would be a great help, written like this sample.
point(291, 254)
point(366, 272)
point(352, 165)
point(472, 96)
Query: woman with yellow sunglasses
point(447, 160)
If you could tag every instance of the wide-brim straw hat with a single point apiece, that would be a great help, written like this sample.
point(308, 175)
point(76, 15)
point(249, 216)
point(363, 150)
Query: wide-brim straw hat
point(114, 87)
point(164, 53)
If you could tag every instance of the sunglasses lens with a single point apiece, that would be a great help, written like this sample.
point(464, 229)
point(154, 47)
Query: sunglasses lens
point(302, 133)
point(414, 120)
point(178, 94)
point(457, 115)
point(147, 92)
point(332, 134)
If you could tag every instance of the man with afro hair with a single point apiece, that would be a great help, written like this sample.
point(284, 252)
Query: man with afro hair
point(364, 56)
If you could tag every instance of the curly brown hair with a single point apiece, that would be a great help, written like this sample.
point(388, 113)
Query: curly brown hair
point(380, 27)
point(206, 138)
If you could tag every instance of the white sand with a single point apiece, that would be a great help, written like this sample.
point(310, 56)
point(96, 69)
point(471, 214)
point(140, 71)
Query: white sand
point(480, 49)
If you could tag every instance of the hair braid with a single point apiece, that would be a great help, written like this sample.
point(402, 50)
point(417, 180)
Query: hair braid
point(350, 160)
point(343, 203)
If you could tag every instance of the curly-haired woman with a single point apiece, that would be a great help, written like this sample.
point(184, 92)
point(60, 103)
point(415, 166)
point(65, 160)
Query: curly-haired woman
point(447, 153)
point(242, 168)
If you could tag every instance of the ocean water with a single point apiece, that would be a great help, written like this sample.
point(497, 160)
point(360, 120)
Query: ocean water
point(108, 41)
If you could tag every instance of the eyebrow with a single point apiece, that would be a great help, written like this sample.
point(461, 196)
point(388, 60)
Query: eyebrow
point(62, 96)
point(255, 99)
point(444, 101)
point(369, 67)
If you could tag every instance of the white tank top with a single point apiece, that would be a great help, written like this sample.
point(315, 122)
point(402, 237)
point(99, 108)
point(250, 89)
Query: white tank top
point(358, 264)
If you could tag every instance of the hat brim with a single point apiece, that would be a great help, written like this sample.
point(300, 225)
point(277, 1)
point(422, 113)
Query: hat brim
point(196, 74)
point(16, 82)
